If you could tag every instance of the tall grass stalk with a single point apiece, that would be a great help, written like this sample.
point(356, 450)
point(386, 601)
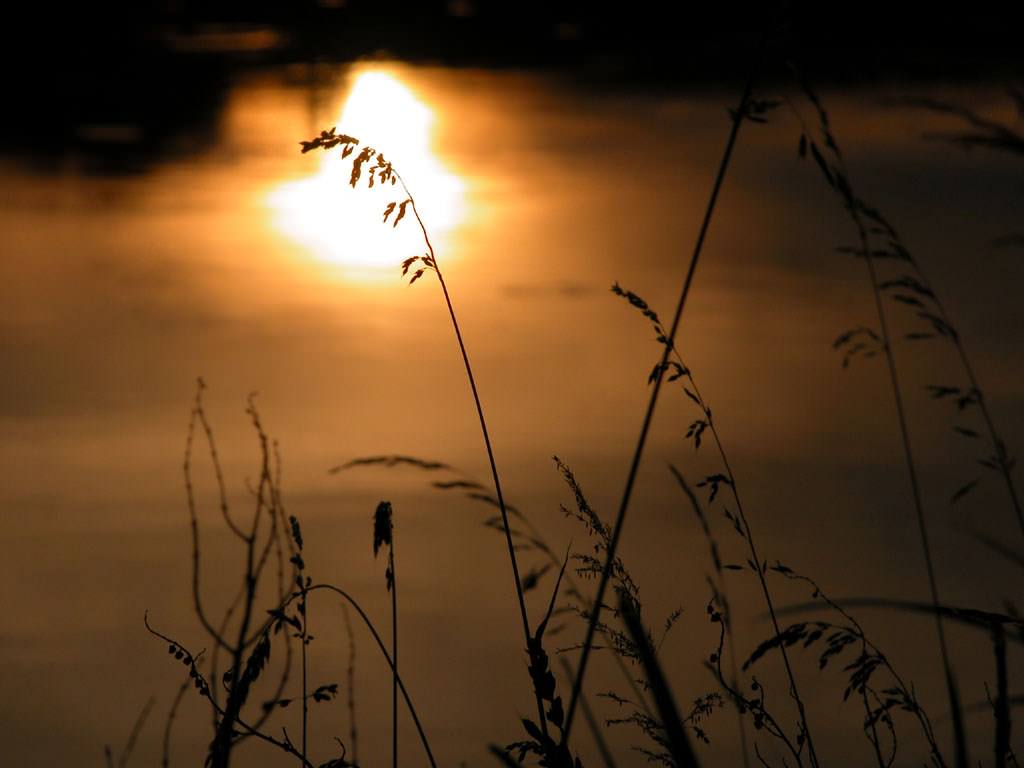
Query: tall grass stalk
point(350, 677)
point(737, 118)
point(739, 520)
point(487, 440)
point(304, 638)
point(922, 523)
point(384, 534)
point(387, 173)
point(758, 565)
point(394, 656)
point(836, 175)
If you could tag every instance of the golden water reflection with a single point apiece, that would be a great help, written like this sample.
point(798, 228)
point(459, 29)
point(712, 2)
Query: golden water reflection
point(118, 292)
point(342, 226)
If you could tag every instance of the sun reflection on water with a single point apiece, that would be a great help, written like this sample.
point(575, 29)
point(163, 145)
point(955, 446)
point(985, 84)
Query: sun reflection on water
point(342, 226)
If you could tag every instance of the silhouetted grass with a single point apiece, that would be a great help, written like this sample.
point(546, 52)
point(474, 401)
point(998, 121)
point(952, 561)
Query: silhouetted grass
point(719, 596)
point(674, 369)
point(350, 687)
point(380, 171)
point(270, 611)
point(675, 736)
point(384, 535)
point(738, 116)
point(917, 292)
point(133, 737)
point(912, 289)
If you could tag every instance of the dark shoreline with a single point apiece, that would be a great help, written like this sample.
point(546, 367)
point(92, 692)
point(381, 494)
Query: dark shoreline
point(130, 86)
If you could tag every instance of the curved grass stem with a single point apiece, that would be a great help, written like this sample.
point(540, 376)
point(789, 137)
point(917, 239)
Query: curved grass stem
point(487, 440)
point(385, 173)
point(387, 657)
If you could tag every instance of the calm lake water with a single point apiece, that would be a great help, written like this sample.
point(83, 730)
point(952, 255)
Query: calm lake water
point(257, 268)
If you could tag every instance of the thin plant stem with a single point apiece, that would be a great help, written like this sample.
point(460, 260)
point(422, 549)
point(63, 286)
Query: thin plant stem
point(303, 608)
point(197, 416)
point(649, 415)
point(872, 732)
point(794, 691)
point(734, 671)
point(235, 718)
point(487, 440)
point(387, 657)
point(768, 721)
point(676, 742)
point(998, 446)
point(394, 655)
point(133, 737)
point(533, 538)
point(592, 723)
point(165, 759)
point(922, 523)
point(1001, 706)
point(747, 534)
point(353, 731)
point(223, 742)
point(286, 744)
point(1003, 461)
point(719, 588)
point(838, 179)
point(536, 539)
point(328, 140)
point(868, 646)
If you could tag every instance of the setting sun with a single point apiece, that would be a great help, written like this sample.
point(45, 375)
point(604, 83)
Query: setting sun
point(343, 226)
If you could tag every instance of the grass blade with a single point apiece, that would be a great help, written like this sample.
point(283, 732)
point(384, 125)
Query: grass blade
point(675, 736)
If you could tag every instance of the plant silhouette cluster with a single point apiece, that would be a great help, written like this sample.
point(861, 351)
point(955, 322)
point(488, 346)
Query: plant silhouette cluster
point(244, 673)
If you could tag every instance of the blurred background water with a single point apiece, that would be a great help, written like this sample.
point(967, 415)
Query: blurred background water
point(135, 261)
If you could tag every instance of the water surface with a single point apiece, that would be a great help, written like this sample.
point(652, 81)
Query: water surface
point(257, 268)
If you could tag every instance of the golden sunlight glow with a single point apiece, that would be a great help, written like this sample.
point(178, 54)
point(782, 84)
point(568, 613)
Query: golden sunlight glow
point(343, 226)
